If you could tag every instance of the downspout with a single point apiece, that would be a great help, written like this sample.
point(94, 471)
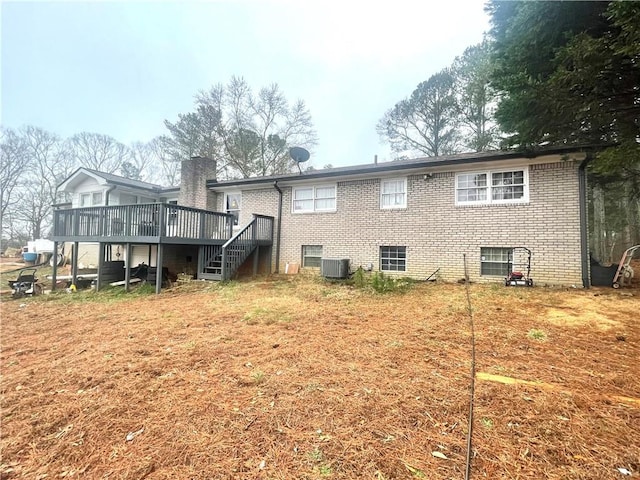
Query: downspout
point(278, 231)
point(107, 194)
point(584, 224)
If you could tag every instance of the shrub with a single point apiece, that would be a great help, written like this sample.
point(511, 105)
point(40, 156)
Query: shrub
point(378, 282)
point(359, 278)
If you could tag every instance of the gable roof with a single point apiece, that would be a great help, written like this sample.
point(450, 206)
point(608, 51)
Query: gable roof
point(111, 179)
point(396, 166)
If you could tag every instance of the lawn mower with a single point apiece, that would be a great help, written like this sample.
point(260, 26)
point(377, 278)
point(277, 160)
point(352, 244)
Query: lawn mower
point(25, 284)
point(519, 268)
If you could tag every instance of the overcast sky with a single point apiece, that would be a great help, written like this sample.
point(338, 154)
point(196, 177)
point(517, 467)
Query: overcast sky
point(121, 68)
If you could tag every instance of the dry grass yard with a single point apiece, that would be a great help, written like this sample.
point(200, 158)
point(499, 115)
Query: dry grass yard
point(295, 378)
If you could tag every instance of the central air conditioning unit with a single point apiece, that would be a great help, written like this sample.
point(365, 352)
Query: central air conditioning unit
point(335, 267)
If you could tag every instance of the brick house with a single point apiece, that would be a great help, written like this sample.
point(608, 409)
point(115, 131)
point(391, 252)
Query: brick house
point(410, 217)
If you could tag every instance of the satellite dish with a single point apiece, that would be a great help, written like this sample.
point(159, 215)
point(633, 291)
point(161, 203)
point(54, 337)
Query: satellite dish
point(299, 155)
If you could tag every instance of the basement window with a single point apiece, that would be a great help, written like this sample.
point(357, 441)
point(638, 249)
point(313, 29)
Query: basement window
point(311, 256)
point(495, 261)
point(393, 259)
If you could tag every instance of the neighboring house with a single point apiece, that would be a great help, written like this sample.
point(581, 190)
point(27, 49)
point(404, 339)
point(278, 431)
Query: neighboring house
point(409, 218)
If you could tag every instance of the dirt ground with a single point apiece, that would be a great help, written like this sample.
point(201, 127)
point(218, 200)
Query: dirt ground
point(292, 377)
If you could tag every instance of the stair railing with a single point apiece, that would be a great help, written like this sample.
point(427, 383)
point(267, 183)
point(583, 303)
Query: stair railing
point(237, 249)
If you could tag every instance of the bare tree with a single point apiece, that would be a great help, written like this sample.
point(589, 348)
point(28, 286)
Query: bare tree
point(168, 171)
point(240, 141)
point(12, 163)
point(48, 164)
point(99, 152)
point(245, 134)
point(142, 162)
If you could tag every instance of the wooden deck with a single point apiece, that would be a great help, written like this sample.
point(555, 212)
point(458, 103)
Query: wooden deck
point(221, 251)
point(159, 223)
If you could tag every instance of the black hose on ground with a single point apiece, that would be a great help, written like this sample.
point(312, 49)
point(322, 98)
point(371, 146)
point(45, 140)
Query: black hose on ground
point(26, 266)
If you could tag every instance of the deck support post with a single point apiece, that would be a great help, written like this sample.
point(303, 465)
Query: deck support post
point(159, 268)
point(74, 264)
point(256, 258)
point(201, 251)
point(127, 270)
point(54, 274)
point(101, 255)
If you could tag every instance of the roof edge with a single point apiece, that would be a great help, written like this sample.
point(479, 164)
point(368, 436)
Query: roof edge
point(420, 162)
point(107, 179)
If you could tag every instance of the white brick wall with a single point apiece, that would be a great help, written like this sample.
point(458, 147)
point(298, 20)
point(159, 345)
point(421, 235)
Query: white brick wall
point(435, 231)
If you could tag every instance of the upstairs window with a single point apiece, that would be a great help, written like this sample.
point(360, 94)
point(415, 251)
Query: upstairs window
point(507, 185)
point(314, 199)
point(393, 193)
point(492, 187)
point(91, 199)
point(471, 188)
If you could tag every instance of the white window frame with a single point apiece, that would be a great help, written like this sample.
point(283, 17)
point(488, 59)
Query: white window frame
point(396, 258)
point(81, 199)
point(314, 198)
point(87, 199)
point(306, 255)
point(403, 193)
point(490, 187)
point(229, 210)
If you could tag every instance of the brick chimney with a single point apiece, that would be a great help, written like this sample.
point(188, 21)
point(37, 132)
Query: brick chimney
point(194, 173)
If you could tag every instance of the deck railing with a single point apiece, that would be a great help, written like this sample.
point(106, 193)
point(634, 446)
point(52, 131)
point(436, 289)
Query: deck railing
point(159, 220)
point(238, 248)
point(264, 227)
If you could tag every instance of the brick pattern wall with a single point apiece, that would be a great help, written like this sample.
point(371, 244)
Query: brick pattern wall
point(194, 174)
point(435, 231)
point(262, 202)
